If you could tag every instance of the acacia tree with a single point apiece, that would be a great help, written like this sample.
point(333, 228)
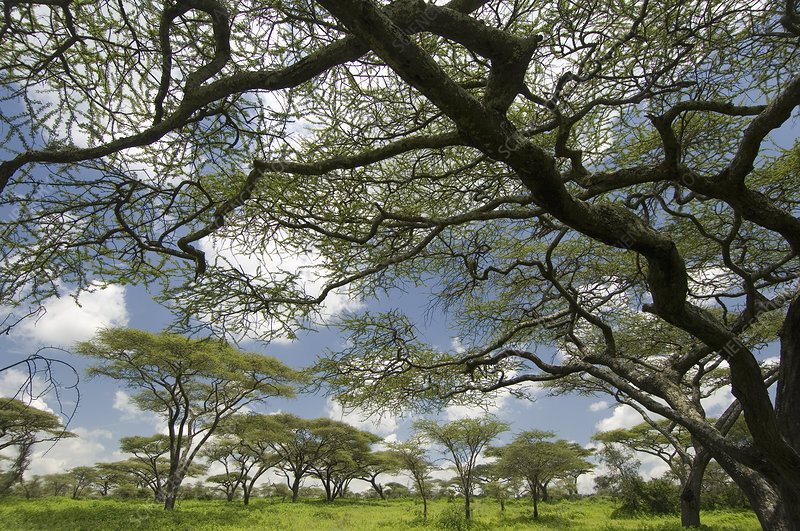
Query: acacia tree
point(192, 383)
point(537, 461)
point(247, 444)
point(309, 447)
point(225, 451)
point(376, 463)
point(21, 427)
point(671, 444)
point(463, 441)
point(554, 161)
point(412, 456)
point(148, 462)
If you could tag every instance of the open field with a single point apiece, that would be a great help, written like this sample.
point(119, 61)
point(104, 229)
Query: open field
point(109, 514)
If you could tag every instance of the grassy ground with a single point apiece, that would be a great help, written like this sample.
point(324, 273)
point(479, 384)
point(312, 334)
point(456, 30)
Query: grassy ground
point(108, 514)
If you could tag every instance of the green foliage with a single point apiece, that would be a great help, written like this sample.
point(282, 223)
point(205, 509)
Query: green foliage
point(358, 515)
point(192, 383)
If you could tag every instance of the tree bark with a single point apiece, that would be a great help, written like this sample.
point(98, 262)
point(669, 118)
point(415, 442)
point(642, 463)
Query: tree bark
point(295, 489)
point(764, 498)
point(467, 511)
point(690, 492)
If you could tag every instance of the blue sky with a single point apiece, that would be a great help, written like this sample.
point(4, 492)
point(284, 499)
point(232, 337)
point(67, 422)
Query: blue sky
point(105, 413)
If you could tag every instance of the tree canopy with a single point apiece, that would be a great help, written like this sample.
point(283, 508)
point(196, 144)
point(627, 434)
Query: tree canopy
point(565, 174)
point(193, 384)
point(22, 426)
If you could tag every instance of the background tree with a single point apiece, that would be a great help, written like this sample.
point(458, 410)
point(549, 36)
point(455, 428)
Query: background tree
point(21, 427)
point(56, 484)
point(148, 462)
point(251, 449)
point(297, 446)
point(343, 453)
point(110, 476)
point(226, 451)
point(672, 445)
point(623, 481)
point(82, 478)
point(553, 162)
point(376, 463)
point(537, 461)
point(495, 483)
point(463, 440)
point(412, 456)
point(192, 383)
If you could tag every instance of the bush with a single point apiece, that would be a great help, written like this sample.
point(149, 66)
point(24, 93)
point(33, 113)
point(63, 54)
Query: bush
point(657, 496)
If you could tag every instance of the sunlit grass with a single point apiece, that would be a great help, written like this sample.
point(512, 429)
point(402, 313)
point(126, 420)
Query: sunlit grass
point(110, 514)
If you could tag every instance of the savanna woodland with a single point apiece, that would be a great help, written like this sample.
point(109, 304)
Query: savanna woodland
point(599, 179)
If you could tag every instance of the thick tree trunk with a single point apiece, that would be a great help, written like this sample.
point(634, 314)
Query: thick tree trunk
point(764, 498)
point(173, 484)
point(295, 489)
point(690, 492)
point(467, 511)
point(543, 489)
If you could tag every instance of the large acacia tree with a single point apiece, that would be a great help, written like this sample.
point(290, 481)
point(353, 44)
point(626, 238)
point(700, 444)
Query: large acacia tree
point(575, 170)
point(192, 384)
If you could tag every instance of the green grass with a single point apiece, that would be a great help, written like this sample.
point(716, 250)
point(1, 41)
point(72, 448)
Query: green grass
point(109, 514)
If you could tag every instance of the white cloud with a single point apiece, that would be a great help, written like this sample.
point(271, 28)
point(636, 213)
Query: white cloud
point(598, 406)
point(457, 346)
point(67, 322)
point(84, 450)
point(131, 412)
point(14, 383)
point(718, 401)
point(624, 416)
point(385, 426)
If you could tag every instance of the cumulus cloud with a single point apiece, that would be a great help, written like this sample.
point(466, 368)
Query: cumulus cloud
point(385, 426)
point(131, 412)
point(85, 450)
point(599, 406)
point(623, 416)
point(15, 383)
point(67, 321)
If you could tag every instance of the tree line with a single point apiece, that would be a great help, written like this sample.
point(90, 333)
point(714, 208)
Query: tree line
point(189, 383)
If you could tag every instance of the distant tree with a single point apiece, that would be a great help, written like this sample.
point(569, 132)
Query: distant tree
point(537, 461)
point(397, 490)
point(315, 447)
point(191, 383)
point(227, 483)
point(375, 464)
point(674, 445)
point(463, 440)
point(109, 476)
point(344, 454)
point(58, 484)
point(22, 426)
point(152, 467)
point(622, 479)
point(412, 457)
point(252, 451)
point(276, 489)
point(495, 483)
point(82, 477)
point(225, 451)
